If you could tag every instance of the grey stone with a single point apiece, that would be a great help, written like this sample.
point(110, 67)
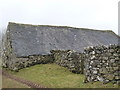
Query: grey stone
point(95, 72)
point(117, 77)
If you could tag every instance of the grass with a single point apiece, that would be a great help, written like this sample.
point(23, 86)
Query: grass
point(9, 83)
point(54, 76)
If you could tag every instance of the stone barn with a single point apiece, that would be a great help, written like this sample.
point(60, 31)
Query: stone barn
point(26, 45)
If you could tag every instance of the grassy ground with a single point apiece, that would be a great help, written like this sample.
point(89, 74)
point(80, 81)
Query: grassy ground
point(54, 76)
point(8, 83)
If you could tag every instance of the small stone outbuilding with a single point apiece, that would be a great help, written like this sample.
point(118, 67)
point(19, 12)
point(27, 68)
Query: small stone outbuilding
point(26, 45)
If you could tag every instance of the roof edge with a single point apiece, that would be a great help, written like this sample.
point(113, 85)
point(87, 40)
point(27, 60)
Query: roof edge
point(110, 31)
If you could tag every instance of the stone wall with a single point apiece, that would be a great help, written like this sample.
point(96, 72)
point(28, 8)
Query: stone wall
point(99, 63)
point(23, 62)
point(102, 63)
point(69, 59)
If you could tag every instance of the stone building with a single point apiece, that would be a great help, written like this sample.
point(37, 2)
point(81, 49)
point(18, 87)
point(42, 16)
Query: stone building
point(27, 45)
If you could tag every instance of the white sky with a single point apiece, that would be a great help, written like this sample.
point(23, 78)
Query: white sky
point(95, 14)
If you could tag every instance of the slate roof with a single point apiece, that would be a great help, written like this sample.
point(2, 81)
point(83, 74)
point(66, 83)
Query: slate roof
point(40, 39)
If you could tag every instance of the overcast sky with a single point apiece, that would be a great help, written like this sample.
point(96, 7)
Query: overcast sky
point(95, 14)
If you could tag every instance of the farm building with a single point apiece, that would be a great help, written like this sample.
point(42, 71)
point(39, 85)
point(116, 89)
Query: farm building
point(27, 45)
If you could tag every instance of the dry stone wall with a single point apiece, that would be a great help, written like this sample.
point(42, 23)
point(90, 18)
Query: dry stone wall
point(70, 59)
point(102, 63)
point(22, 62)
point(99, 63)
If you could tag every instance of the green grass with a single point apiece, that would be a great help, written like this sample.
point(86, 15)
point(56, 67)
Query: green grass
point(9, 83)
point(54, 76)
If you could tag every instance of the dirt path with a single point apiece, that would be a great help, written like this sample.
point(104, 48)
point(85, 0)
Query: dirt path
point(26, 82)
